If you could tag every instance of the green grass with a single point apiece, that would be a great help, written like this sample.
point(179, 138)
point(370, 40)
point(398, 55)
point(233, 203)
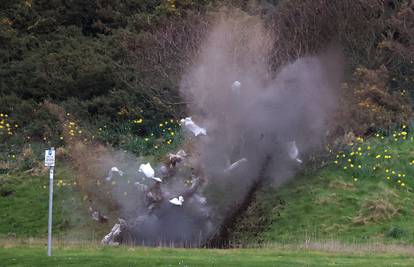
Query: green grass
point(122, 256)
point(24, 203)
point(342, 201)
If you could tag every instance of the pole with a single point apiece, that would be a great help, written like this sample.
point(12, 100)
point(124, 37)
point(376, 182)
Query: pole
point(49, 239)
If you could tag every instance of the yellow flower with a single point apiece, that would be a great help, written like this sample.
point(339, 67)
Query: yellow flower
point(359, 166)
point(404, 126)
point(404, 133)
point(369, 147)
point(345, 167)
point(352, 165)
point(336, 162)
point(349, 160)
point(388, 177)
point(387, 171)
point(355, 179)
point(161, 125)
point(146, 139)
point(359, 148)
point(139, 121)
point(377, 156)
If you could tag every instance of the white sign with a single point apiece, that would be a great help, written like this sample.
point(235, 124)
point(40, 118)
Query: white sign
point(50, 158)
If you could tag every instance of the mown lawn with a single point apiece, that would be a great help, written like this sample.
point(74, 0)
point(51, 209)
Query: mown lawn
point(122, 256)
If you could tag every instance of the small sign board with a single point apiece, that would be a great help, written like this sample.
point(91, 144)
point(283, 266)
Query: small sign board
point(50, 158)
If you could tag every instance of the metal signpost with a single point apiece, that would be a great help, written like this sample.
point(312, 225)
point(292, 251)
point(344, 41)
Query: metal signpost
point(50, 162)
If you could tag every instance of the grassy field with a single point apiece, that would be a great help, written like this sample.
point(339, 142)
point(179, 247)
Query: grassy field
point(363, 194)
point(124, 256)
point(24, 207)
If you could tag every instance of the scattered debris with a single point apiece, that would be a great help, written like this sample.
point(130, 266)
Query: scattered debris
point(235, 165)
point(293, 151)
point(113, 237)
point(149, 172)
point(173, 159)
point(140, 186)
point(111, 173)
point(194, 128)
point(177, 201)
point(154, 197)
point(97, 216)
point(235, 87)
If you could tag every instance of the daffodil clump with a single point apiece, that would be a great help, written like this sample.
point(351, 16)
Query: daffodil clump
point(7, 126)
point(142, 136)
point(380, 157)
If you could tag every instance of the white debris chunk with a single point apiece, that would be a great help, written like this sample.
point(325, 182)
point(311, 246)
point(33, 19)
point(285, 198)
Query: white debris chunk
point(111, 173)
point(235, 165)
point(235, 87)
point(156, 179)
point(148, 172)
point(177, 201)
point(95, 216)
point(194, 128)
point(293, 151)
point(109, 238)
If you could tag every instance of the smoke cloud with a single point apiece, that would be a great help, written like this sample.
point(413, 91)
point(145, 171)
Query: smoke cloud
point(252, 126)
point(261, 115)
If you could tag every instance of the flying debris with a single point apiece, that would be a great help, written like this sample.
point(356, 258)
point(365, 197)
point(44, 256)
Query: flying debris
point(111, 173)
point(177, 201)
point(293, 151)
point(113, 236)
point(97, 216)
point(147, 170)
point(173, 159)
point(235, 87)
point(156, 179)
point(141, 187)
point(194, 128)
point(235, 165)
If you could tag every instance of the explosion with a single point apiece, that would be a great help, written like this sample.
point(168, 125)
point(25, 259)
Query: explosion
point(248, 126)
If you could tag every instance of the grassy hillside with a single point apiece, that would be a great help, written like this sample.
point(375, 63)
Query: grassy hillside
point(364, 194)
point(24, 207)
point(35, 256)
